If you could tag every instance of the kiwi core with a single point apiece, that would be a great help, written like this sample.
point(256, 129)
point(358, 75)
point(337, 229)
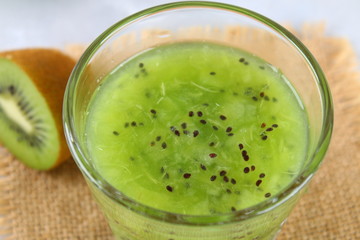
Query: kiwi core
point(13, 112)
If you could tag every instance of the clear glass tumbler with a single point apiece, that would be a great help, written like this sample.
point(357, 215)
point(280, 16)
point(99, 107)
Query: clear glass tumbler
point(205, 22)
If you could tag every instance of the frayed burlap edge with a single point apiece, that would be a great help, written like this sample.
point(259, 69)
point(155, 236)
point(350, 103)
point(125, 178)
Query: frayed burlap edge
point(6, 178)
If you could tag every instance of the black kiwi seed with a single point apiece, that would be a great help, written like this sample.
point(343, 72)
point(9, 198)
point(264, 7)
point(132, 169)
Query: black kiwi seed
point(35, 142)
point(233, 181)
point(20, 102)
point(258, 182)
point(212, 155)
point(24, 106)
point(212, 73)
point(264, 137)
point(153, 111)
point(172, 128)
point(126, 125)
point(228, 191)
point(203, 167)
point(199, 113)
point(39, 128)
point(169, 188)
point(226, 179)
point(222, 117)
point(116, 133)
point(152, 143)
point(195, 133)
point(133, 123)
point(215, 128)
point(177, 133)
point(183, 125)
point(141, 65)
point(158, 138)
point(241, 146)
point(212, 178)
point(229, 129)
point(275, 125)
point(211, 144)
point(262, 175)
point(267, 195)
point(12, 89)
point(187, 175)
point(254, 98)
point(28, 111)
point(230, 134)
point(263, 125)
point(246, 170)
point(191, 113)
point(233, 209)
point(202, 121)
point(222, 173)
point(241, 59)
point(163, 145)
point(248, 91)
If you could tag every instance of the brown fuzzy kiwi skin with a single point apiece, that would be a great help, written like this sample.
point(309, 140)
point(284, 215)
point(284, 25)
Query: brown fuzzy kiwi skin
point(49, 69)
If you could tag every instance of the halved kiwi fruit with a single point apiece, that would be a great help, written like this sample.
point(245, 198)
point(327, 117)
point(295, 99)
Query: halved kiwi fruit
point(32, 85)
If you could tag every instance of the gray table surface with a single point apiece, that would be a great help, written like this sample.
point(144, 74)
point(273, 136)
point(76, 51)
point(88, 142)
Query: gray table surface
point(55, 23)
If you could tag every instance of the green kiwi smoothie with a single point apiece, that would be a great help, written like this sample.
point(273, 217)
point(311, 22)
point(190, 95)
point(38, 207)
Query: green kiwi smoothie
point(197, 129)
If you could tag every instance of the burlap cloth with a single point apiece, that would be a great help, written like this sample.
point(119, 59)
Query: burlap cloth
point(58, 205)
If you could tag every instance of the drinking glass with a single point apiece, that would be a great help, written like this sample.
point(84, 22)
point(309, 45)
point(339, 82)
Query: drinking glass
point(197, 22)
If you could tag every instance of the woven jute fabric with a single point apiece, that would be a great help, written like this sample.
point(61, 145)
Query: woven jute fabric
point(58, 205)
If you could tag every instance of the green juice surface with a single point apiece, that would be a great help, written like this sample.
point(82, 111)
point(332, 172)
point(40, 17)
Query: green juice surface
point(197, 129)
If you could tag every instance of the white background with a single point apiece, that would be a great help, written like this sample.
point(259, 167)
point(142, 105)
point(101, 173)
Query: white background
point(55, 23)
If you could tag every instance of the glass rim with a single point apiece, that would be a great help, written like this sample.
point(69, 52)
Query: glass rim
point(211, 219)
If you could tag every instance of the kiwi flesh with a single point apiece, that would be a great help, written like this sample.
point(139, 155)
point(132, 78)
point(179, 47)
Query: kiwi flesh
point(32, 86)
